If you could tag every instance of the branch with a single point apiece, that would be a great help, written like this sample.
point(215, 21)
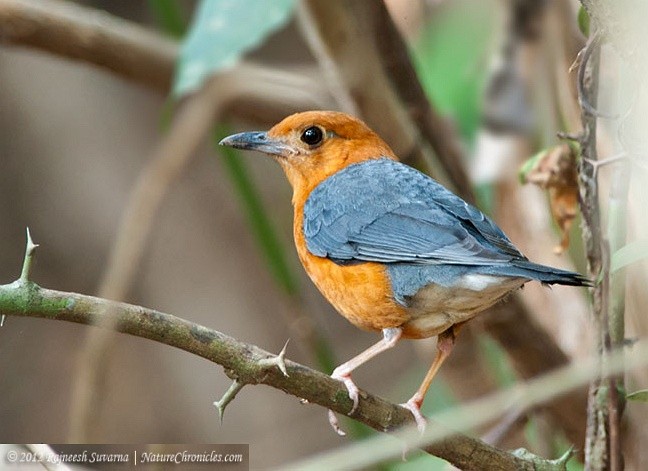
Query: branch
point(602, 446)
point(135, 53)
point(92, 36)
point(245, 363)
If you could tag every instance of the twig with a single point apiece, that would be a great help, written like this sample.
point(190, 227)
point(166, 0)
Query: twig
point(29, 257)
point(359, 65)
point(228, 397)
point(92, 36)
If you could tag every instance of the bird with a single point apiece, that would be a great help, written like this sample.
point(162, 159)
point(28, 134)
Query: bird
point(388, 246)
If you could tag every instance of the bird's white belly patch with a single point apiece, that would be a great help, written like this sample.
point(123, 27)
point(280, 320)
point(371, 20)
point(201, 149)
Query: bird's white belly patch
point(434, 308)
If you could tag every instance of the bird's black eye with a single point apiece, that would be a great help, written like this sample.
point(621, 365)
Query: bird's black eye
point(312, 136)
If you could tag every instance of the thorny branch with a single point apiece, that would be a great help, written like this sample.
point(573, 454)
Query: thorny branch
point(244, 363)
point(603, 445)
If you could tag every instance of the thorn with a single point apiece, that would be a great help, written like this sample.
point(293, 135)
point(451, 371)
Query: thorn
point(279, 361)
point(228, 397)
point(597, 164)
point(29, 252)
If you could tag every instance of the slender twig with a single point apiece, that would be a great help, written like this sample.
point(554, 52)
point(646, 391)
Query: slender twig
point(228, 397)
point(29, 257)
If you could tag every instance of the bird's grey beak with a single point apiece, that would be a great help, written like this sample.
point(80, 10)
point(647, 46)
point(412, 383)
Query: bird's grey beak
point(259, 141)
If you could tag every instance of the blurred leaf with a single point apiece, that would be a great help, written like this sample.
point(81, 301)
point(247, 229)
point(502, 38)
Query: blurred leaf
point(554, 170)
point(628, 254)
point(168, 15)
point(530, 164)
point(584, 21)
point(450, 58)
point(641, 396)
point(222, 31)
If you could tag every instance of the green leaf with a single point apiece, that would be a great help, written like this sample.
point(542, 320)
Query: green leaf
point(584, 21)
point(641, 396)
point(222, 31)
point(450, 57)
point(628, 254)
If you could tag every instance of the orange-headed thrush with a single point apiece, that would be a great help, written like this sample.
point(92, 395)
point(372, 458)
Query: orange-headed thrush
point(388, 246)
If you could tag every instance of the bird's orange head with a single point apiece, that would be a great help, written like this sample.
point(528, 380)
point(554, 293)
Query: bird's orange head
point(314, 145)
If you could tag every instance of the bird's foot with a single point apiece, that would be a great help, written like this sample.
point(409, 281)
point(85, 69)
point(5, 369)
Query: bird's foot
point(354, 392)
point(354, 395)
point(414, 406)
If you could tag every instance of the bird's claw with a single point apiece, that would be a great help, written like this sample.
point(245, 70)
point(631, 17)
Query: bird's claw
point(414, 406)
point(354, 395)
point(335, 424)
point(354, 392)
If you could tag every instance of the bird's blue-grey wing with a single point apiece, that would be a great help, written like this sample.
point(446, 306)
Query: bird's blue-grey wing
point(383, 211)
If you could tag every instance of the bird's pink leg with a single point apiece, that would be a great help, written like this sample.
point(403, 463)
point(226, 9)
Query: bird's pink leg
point(343, 372)
point(445, 343)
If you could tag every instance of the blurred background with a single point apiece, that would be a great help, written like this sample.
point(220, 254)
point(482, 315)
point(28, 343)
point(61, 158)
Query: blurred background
point(117, 175)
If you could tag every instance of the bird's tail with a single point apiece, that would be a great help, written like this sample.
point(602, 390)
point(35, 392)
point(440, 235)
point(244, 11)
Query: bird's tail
point(550, 275)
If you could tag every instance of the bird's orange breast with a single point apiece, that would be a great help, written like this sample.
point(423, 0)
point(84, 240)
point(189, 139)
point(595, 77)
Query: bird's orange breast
point(360, 292)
